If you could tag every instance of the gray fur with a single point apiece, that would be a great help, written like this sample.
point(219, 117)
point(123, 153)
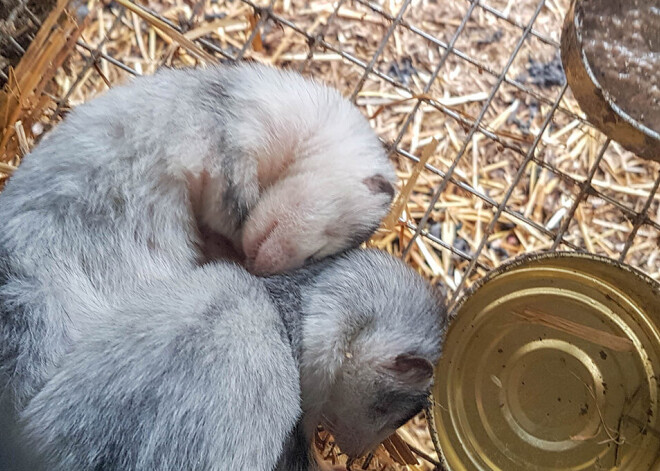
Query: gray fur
point(120, 351)
point(195, 373)
point(202, 371)
point(115, 195)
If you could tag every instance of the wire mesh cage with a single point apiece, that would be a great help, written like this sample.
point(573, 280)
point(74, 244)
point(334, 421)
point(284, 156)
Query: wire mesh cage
point(494, 155)
point(19, 22)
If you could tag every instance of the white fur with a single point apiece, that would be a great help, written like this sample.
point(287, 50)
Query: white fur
point(111, 203)
point(313, 150)
point(380, 310)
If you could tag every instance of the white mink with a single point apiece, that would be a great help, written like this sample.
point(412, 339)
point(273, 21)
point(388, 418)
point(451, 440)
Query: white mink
point(220, 370)
point(120, 194)
point(315, 177)
point(282, 167)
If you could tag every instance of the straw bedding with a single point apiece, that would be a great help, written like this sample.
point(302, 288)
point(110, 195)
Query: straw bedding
point(419, 117)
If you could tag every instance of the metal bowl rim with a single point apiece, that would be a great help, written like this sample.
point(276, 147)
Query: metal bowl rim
point(533, 256)
point(507, 266)
point(605, 93)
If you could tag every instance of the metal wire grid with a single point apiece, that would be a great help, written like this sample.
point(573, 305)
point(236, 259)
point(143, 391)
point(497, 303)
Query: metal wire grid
point(532, 153)
point(30, 31)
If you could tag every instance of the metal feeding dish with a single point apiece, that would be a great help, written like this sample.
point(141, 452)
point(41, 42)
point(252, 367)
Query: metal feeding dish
point(610, 50)
point(551, 363)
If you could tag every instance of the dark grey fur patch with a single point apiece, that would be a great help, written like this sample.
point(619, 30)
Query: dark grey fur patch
point(233, 199)
point(406, 405)
point(379, 184)
point(362, 235)
point(356, 236)
point(218, 90)
point(417, 367)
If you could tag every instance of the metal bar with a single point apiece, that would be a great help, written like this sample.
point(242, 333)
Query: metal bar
point(380, 49)
point(486, 199)
point(481, 65)
point(263, 17)
point(435, 73)
point(594, 192)
point(33, 17)
point(639, 220)
point(473, 129)
point(313, 40)
point(110, 59)
point(584, 189)
point(502, 16)
point(547, 40)
point(502, 205)
point(16, 46)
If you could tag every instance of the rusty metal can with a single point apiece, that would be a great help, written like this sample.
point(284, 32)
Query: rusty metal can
point(596, 101)
point(551, 362)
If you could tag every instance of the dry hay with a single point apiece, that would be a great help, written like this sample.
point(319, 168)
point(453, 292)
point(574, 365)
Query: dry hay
point(19, 22)
point(25, 96)
point(618, 211)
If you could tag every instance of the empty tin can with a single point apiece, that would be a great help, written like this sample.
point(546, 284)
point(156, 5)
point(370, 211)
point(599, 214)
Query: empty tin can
point(551, 363)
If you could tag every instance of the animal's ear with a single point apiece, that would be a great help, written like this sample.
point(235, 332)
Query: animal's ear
point(412, 370)
point(379, 184)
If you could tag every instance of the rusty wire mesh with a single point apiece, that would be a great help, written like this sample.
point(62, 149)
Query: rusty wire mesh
point(19, 22)
point(479, 51)
point(517, 169)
